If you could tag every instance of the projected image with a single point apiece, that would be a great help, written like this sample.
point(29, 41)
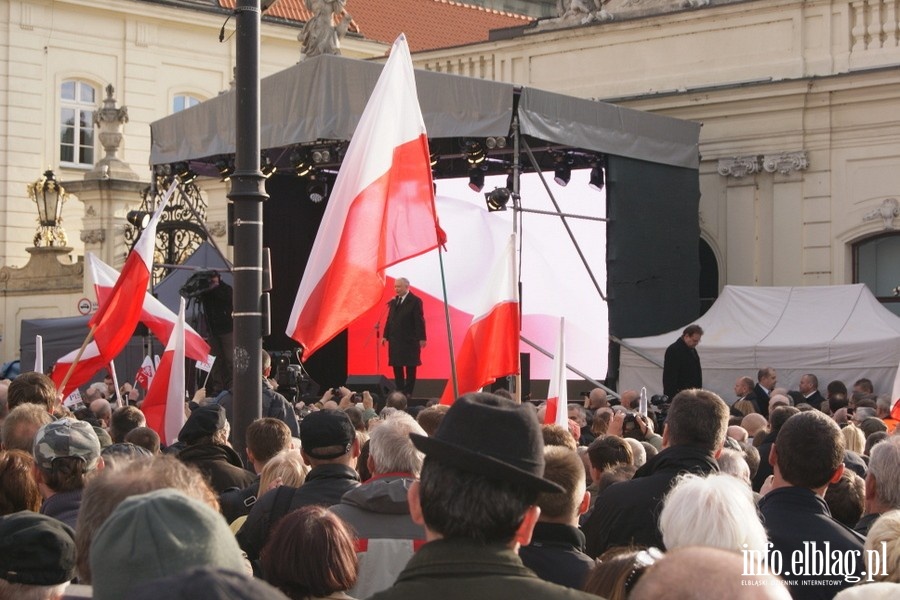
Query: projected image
point(555, 282)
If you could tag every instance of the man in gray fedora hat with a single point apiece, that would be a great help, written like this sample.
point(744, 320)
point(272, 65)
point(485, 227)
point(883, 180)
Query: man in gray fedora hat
point(476, 498)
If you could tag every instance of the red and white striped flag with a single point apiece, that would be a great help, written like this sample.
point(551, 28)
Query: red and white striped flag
point(381, 210)
point(154, 314)
point(115, 320)
point(164, 404)
point(491, 347)
point(557, 394)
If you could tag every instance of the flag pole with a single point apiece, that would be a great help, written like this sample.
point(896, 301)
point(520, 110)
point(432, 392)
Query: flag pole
point(115, 378)
point(87, 340)
point(447, 317)
point(38, 354)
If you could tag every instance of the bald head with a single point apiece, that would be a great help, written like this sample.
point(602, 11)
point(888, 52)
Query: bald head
point(630, 399)
point(677, 573)
point(754, 423)
point(737, 433)
point(597, 399)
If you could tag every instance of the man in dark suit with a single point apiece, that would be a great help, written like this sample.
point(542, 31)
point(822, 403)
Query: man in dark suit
point(404, 332)
point(681, 367)
point(766, 380)
point(809, 390)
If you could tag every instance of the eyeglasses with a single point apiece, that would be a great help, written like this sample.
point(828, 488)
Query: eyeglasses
point(642, 560)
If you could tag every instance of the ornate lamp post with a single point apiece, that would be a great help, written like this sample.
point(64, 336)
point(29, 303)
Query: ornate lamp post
point(49, 196)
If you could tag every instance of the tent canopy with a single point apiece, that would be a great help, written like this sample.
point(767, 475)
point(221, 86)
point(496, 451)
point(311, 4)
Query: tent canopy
point(322, 98)
point(834, 332)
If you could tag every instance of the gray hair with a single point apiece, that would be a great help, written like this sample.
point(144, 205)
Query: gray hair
point(884, 466)
point(731, 462)
point(724, 504)
point(637, 449)
point(390, 447)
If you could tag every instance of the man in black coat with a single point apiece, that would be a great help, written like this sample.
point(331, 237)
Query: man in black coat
point(809, 390)
point(766, 380)
point(627, 513)
point(808, 455)
point(404, 332)
point(681, 368)
point(217, 301)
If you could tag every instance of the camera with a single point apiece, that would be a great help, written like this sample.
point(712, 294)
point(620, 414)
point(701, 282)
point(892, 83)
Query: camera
point(631, 428)
point(197, 284)
point(660, 403)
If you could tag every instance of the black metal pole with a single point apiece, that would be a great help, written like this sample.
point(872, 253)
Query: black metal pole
point(247, 193)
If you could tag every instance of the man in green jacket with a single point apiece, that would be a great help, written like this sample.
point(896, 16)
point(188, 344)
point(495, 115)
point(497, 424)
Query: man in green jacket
point(476, 498)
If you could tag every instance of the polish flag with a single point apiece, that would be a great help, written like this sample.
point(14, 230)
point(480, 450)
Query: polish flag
point(113, 324)
point(159, 319)
point(491, 347)
point(381, 210)
point(557, 394)
point(88, 365)
point(164, 404)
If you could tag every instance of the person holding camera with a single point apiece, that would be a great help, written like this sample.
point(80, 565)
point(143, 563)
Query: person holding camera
point(217, 304)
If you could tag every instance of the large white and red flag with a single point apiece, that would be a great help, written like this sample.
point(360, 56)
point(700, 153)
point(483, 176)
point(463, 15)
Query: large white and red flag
point(115, 320)
point(154, 314)
point(557, 394)
point(381, 210)
point(490, 349)
point(164, 404)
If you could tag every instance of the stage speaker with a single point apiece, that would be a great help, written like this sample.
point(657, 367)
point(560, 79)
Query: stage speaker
point(378, 385)
point(506, 383)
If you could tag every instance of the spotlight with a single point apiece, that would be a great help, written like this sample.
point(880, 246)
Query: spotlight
point(497, 200)
point(300, 163)
point(597, 180)
point(474, 152)
point(317, 191)
point(476, 180)
point(184, 173)
point(562, 174)
point(225, 167)
point(138, 218)
point(321, 155)
point(495, 142)
point(267, 167)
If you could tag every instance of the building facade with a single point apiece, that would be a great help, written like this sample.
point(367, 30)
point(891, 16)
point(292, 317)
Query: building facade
point(800, 106)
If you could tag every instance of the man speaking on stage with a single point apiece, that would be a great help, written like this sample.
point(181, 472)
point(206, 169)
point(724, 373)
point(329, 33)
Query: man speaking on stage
point(404, 332)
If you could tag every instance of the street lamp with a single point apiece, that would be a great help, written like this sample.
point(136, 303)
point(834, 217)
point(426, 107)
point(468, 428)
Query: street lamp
point(49, 196)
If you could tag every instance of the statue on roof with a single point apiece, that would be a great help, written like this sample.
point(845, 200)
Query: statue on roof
point(323, 32)
point(581, 12)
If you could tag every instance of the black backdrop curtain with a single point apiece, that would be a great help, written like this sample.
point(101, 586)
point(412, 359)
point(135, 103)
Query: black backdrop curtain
point(653, 267)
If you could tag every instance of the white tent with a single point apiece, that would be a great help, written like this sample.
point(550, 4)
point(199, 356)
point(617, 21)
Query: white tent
point(835, 332)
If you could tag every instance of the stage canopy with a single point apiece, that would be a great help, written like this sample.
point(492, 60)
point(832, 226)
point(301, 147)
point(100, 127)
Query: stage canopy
point(321, 100)
point(834, 332)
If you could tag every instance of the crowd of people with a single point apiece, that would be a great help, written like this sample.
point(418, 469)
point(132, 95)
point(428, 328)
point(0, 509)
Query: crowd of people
point(772, 494)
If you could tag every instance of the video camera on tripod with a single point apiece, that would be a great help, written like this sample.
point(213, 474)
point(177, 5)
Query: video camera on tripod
point(293, 383)
point(197, 284)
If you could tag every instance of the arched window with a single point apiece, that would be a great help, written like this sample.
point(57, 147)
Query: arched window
point(183, 101)
point(876, 262)
point(78, 100)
